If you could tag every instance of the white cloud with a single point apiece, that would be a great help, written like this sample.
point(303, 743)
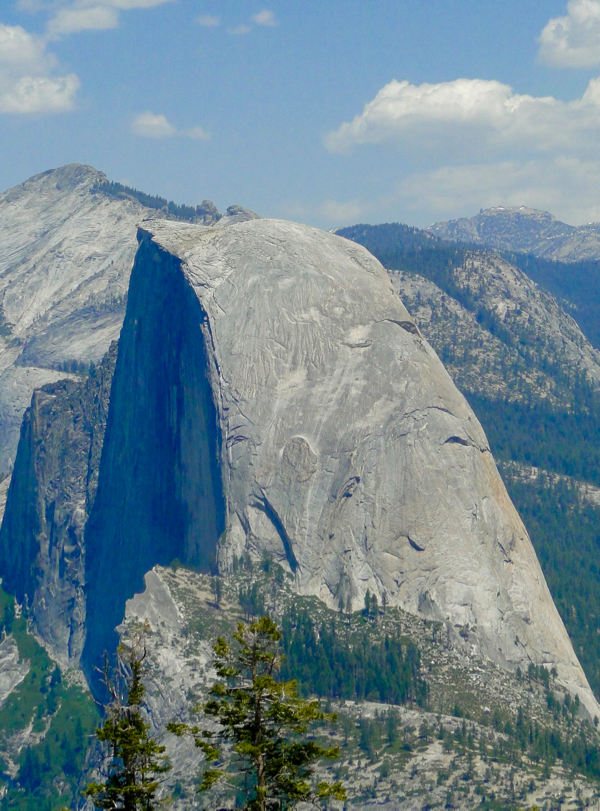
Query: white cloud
point(74, 20)
point(39, 94)
point(153, 125)
point(473, 143)
point(90, 15)
point(28, 83)
point(573, 41)
point(265, 17)
point(208, 21)
point(20, 51)
point(150, 125)
point(566, 186)
point(196, 134)
point(472, 117)
point(239, 30)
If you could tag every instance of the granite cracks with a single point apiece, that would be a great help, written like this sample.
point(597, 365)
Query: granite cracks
point(347, 453)
point(273, 396)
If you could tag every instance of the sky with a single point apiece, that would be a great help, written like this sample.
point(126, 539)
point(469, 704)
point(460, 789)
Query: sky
point(329, 112)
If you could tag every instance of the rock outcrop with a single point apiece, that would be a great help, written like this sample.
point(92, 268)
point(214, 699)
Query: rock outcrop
point(273, 395)
point(512, 327)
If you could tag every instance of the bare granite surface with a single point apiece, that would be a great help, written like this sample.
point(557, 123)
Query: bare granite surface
point(347, 451)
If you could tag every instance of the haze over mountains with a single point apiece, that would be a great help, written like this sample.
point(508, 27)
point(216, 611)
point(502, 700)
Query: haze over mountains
point(272, 409)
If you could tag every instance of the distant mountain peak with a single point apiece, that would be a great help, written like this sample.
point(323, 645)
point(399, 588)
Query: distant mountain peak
point(523, 229)
point(516, 210)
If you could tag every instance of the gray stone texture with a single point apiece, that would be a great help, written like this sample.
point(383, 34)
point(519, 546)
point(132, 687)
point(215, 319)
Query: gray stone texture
point(345, 450)
point(65, 258)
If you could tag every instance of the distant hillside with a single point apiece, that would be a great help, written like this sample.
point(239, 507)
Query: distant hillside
point(524, 229)
point(401, 247)
point(578, 283)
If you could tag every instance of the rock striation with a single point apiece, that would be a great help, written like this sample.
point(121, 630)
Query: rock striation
point(273, 395)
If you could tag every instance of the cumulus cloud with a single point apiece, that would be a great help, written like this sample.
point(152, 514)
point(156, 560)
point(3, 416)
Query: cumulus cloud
point(573, 41)
point(208, 21)
point(92, 15)
point(28, 80)
point(153, 125)
point(150, 125)
point(473, 143)
point(74, 20)
point(566, 186)
point(265, 17)
point(472, 114)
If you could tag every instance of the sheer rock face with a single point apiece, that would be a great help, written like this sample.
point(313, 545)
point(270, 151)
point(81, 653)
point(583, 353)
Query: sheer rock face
point(344, 449)
point(52, 489)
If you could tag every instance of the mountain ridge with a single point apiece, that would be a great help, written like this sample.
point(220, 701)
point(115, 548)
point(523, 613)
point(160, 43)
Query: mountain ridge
point(523, 229)
point(67, 245)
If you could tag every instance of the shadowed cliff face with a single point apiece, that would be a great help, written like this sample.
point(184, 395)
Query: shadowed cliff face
point(42, 557)
point(159, 493)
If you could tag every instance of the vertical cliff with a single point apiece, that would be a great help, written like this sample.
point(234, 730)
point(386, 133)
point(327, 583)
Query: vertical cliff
point(42, 556)
point(160, 493)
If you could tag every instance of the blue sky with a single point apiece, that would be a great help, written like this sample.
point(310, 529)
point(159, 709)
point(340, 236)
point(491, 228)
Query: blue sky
point(324, 112)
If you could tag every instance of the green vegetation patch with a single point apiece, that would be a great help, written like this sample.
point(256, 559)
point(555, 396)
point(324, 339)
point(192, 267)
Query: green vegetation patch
point(63, 718)
point(326, 665)
point(540, 435)
point(565, 531)
point(176, 210)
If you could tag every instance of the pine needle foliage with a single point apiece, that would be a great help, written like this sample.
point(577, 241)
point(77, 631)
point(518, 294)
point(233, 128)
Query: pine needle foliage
point(262, 722)
point(135, 760)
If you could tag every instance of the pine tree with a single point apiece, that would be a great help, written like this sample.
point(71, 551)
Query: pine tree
point(135, 760)
point(263, 721)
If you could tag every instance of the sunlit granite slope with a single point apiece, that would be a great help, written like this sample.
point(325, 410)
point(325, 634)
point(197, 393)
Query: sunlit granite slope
point(65, 260)
point(272, 394)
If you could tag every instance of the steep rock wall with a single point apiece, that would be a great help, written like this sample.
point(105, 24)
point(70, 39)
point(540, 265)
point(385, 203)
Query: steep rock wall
point(42, 556)
point(346, 451)
point(160, 492)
